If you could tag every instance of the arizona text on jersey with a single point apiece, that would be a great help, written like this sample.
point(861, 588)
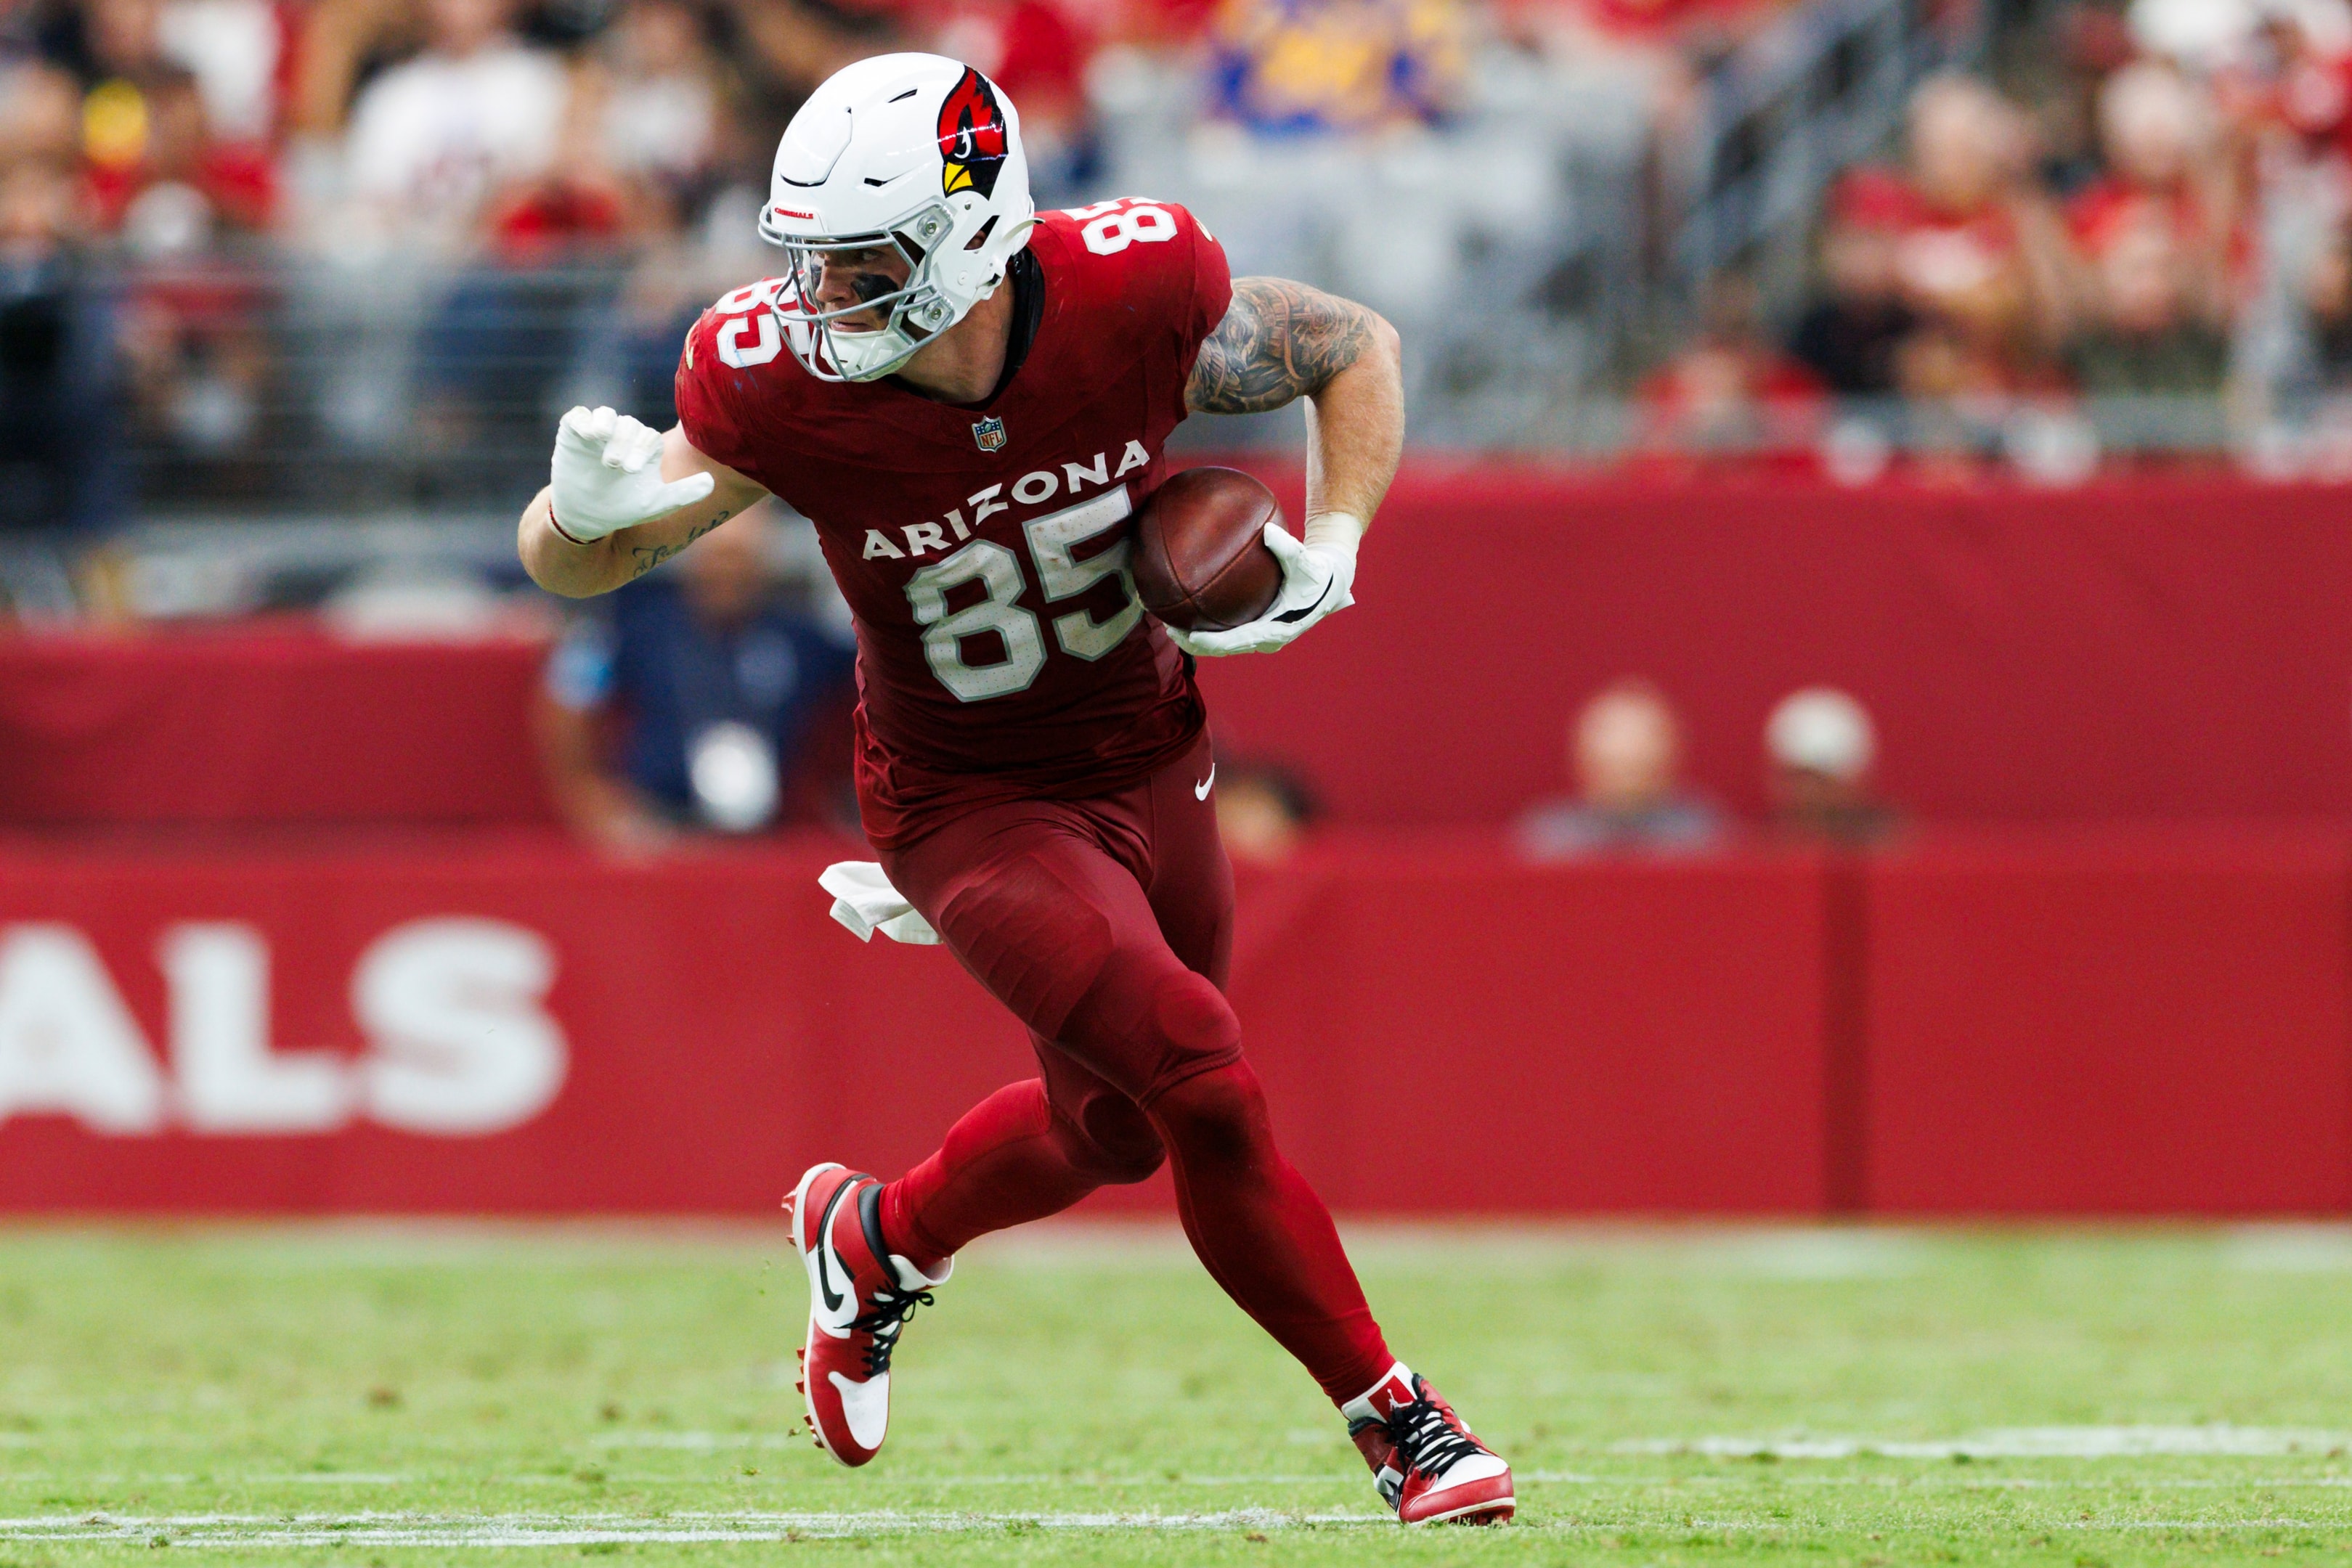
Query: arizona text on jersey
point(981, 548)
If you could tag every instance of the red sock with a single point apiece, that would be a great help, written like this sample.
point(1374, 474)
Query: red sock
point(1002, 1164)
point(1263, 1233)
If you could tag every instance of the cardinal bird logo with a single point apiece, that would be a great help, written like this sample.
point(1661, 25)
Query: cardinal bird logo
point(972, 136)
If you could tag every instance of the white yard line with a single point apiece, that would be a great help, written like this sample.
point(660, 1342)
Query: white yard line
point(373, 1528)
point(2018, 1443)
point(1931, 1481)
point(2289, 1248)
point(386, 1528)
point(695, 1442)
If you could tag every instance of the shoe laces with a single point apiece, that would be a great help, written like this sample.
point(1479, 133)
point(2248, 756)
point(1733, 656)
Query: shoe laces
point(1427, 1437)
point(885, 1322)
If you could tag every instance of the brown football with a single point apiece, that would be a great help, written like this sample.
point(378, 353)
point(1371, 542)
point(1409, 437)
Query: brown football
point(1200, 561)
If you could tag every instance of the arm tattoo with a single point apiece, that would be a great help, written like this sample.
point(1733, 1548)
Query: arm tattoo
point(651, 556)
point(1278, 340)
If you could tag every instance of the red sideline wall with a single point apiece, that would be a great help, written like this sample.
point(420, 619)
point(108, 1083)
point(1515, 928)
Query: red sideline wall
point(2078, 1024)
point(2140, 649)
point(2174, 650)
point(2118, 1024)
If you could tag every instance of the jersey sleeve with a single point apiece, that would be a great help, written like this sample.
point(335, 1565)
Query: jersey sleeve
point(1213, 289)
point(717, 406)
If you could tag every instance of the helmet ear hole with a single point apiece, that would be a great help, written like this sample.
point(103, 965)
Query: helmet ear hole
point(982, 238)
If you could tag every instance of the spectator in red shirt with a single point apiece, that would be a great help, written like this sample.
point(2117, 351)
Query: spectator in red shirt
point(1979, 254)
point(649, 100)
point(1731, 390)
point(1975, 255)
point(2163, 168)
point(1706, 25)
point(2155, 238)
point(2293, 84)
point(175, 195)
point(165, 145)
point(145, 123)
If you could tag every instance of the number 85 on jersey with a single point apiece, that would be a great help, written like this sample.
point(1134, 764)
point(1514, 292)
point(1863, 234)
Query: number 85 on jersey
point(1054, 541)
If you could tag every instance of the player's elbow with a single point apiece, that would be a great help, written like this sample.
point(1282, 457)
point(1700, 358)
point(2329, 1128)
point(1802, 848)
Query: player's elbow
point(562, 589)
point(561, 585)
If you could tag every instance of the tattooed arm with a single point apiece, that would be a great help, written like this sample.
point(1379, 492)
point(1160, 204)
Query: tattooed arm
point(1282, 340)
point(577, 571)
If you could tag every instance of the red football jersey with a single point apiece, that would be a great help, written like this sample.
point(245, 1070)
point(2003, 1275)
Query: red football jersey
point(983, 549)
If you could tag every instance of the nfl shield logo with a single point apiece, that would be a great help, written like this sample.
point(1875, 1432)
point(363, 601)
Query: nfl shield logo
point(990, 433)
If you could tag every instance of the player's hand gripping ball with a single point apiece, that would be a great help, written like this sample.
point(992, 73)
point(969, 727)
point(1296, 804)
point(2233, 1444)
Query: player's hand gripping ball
point(1215, 565)
point(606, 476)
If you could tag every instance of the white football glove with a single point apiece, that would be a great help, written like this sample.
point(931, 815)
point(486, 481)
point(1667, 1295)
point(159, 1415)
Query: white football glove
point(608, 477)
point(1317, 576)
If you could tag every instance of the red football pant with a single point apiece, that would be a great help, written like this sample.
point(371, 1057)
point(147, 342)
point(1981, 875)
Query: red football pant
point(1106, 926)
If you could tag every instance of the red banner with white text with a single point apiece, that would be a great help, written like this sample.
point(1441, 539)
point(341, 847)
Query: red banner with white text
point(519, 1028)
point(502, 1024)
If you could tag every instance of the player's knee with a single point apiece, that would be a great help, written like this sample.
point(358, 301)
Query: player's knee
point(1218, 1115)
point(1155, 1019)
point(1191, 1020)
point(1113, 1141)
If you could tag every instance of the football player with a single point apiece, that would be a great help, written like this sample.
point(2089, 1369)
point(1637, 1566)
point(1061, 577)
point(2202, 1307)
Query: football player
point(970, 400)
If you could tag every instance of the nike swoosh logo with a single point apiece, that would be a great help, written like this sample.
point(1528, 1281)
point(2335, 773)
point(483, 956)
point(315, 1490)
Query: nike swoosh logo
point(833, 1298)
point(1301, 615)
point(1201, 790)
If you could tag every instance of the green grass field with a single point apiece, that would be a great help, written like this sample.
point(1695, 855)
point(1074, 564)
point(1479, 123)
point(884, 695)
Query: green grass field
point(403, 1395)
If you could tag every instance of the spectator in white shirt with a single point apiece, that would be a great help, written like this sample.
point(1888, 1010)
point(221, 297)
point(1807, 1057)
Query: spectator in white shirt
point(433, 139)
point(658, 98)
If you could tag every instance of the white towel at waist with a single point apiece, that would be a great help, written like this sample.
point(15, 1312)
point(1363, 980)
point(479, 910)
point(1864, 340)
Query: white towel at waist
point(864, 902)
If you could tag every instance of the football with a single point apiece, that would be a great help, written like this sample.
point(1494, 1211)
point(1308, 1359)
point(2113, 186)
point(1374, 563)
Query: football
point(1200, 561)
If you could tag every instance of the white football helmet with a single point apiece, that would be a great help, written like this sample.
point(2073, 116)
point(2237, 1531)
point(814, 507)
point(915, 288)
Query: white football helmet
point(918, 153)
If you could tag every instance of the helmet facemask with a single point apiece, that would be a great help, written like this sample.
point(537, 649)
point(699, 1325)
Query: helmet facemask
point(911, 314)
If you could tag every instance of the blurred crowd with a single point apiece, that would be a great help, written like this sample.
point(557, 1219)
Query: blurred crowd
point(466, 180)
point(2156, 213)
point(237, 229)
point(349, 238)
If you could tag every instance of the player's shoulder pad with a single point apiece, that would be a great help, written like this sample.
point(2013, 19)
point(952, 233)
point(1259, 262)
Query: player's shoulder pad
point(1142, 229)
point(739, 389)
point(740, 331)
point(1151, 256)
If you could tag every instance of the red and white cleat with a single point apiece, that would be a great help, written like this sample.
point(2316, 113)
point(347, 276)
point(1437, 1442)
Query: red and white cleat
point(1428, 1465)
point(860, 1296)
